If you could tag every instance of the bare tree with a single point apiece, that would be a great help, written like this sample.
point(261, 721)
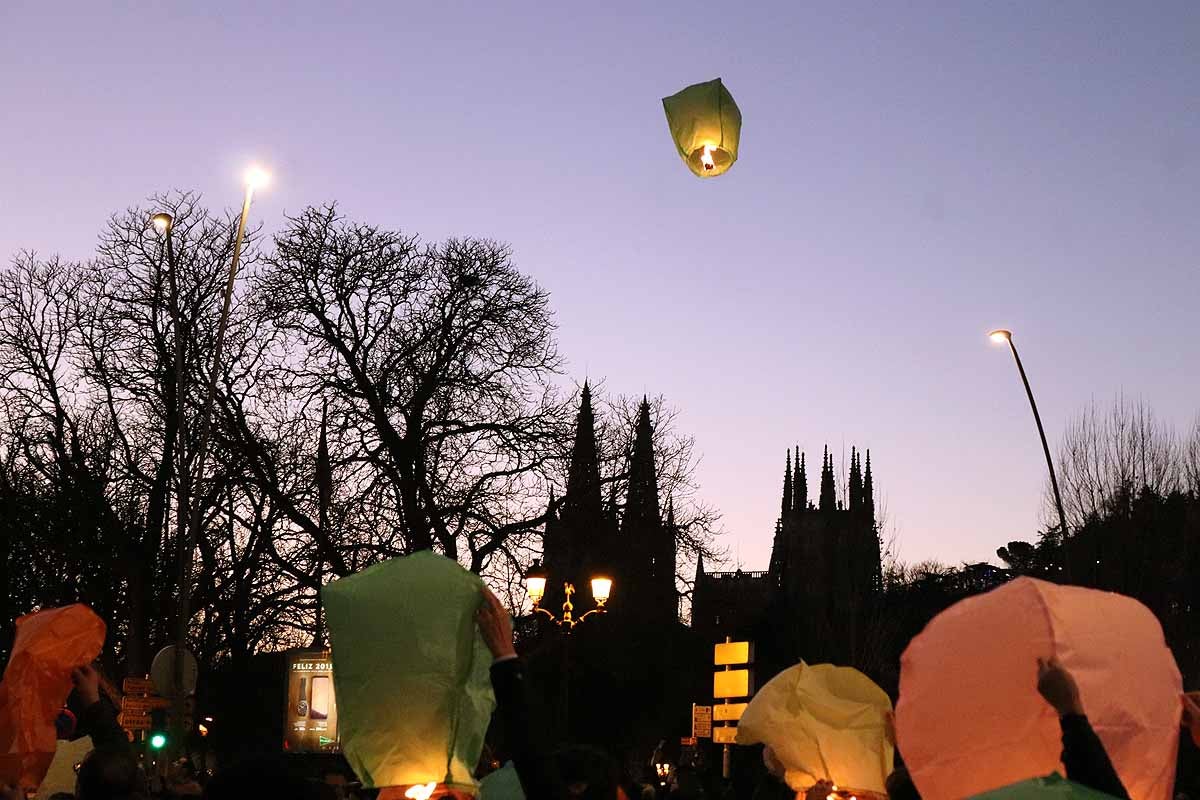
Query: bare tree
point(1191, 460)
point(437, 363)
point(1109, 458)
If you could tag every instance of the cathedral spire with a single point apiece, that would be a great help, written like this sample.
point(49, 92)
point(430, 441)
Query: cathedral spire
point(800, 485)
point(828, 501)
point(641, 501)
point(787, 488)
point(856, 481)
point(583, 477)
point(868, 491)
point(583, 533)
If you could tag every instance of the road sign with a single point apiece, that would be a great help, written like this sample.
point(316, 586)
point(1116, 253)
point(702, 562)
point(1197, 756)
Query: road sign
point(133, 721)
point(142, 705)
point(162, 671)
point(688, 741)
point(726, 734)
point(732, 683)
point(138, 686)
point(702, 717)
point(729, 712)
point(733, 653)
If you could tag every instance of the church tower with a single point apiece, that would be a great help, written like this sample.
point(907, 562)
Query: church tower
point(647, 544)
point(580, 540)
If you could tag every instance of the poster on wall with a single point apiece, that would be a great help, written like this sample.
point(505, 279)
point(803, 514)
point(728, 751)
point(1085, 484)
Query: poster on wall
point(311, 708)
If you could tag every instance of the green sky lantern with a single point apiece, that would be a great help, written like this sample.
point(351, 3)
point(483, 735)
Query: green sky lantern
point(410, 672)
point(705, 125)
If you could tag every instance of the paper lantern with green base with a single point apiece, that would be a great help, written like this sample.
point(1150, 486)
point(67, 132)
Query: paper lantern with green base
point(706, 126)
point(410, 673)
point(1052, 787)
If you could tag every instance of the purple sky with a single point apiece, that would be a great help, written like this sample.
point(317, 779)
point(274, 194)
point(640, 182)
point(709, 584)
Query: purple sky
point(911, 176)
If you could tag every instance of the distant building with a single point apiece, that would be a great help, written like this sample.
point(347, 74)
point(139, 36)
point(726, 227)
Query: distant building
point(823, 585)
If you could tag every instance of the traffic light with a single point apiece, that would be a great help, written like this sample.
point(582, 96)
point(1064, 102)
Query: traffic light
point(158, 729)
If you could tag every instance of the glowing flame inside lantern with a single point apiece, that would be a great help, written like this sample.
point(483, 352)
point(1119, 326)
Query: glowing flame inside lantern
point(706, 158)
point(421, 791)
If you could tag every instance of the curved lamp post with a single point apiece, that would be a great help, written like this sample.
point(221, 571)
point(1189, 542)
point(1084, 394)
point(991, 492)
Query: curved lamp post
point(1002, 336)
point(255, 178)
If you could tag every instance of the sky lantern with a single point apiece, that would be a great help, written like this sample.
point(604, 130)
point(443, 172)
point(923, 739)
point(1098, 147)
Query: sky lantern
point(37, 680)
point(970, 719)
point(823, 722)
point(705, 125)
point(410, 675)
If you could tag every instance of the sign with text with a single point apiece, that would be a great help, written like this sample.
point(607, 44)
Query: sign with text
point(137, 686)
point(132, 721)
point(729, 712)
point(725, 735)
point(311, 711)
point(702, 717)
point(143, 705)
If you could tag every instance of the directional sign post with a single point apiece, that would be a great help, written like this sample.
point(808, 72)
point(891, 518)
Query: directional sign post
point(702, 719)
point(730, 684)
point(137, 703)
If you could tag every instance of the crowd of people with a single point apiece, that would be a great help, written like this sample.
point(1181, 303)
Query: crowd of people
point(113, 771)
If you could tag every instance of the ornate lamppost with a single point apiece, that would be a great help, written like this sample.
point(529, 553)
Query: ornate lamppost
point(535, 586)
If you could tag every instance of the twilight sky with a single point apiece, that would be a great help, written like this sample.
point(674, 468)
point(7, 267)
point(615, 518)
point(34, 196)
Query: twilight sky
point(911, 175)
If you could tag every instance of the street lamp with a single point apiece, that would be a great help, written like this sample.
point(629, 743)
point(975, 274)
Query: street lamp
point(535, 586)
point(254, 178)
point(1002, 336)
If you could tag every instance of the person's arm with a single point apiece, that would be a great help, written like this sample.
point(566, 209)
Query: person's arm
point(1191, 715)
point(512, 700)
point(1083, 753)
point(98, 718)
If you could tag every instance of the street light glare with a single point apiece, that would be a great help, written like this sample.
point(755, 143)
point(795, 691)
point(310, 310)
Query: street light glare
point(162, 222)
point(256, 178)
point(1000, 336)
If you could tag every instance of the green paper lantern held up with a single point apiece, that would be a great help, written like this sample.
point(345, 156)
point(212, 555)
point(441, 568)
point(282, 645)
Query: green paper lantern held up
point(706, 125)
point(410, 671)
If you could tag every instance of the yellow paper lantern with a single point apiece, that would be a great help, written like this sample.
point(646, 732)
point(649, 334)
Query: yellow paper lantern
point(823, 722)
point(706, 125)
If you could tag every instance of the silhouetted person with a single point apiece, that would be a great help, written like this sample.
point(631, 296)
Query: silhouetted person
point(570, 773)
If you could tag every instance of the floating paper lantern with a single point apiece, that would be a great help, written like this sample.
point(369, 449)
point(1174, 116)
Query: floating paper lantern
point(37, 680)
point(970, 718)
point(823, 722)
point(410, 673)
point(705, 125)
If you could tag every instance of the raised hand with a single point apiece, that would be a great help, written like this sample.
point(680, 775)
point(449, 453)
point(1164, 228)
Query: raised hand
point(495, 626)
point(87, 683)
point(1057, 686)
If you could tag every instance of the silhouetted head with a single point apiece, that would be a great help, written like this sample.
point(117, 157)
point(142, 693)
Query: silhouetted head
point(900, 786)
point(265, 777)
point(585, 773)
point(110, 775)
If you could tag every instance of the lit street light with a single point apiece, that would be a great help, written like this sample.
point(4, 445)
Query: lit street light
point(535, 587)
point(254, 178)
point(1002, 336)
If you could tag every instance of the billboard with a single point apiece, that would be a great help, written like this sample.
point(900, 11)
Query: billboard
point(311, 713)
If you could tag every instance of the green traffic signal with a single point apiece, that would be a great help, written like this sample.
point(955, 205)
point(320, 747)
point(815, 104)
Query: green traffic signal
point(158, 741)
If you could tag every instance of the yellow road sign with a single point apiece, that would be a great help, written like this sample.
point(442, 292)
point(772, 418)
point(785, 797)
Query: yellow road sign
point(728, 712)
point(726, 734)
point(732, 683)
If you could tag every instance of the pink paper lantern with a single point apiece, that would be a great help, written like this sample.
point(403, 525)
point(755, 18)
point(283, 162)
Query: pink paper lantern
point(970, 718)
